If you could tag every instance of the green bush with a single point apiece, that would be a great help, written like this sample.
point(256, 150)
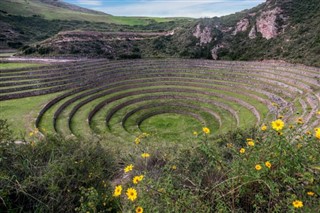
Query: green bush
point(269, 169)
point(54, 174)
point(242, 171)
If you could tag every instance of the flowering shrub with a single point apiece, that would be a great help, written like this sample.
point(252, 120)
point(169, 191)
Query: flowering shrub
point(253, 170)
point(270, 168)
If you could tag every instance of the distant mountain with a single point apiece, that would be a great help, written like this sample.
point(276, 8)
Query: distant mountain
point(62, 4)
point(49, 9)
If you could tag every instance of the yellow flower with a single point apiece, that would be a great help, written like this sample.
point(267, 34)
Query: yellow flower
point(299, 121)
point(206, 130)
point(310, 193)
point(117, 191)
point(317, 129)
point(279, 133)
point(308, 132)
point(174, 167)
point(268, 164)
point(264, 128)
point(139, 209)
point(132, 194)
point(249, 139)
point(297, 204)
point(318, 134)
point(291, 127)
point(30, 134)
point(250, 143)
point(137, 179)
point(137, 141)
point(242, 150)
point(280, 116)
point(195, 133)
point(258, 167)
point(128, 168)
point(145, 155)
point(277, 125)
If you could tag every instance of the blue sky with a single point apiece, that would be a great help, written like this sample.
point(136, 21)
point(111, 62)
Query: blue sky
point(168, 8)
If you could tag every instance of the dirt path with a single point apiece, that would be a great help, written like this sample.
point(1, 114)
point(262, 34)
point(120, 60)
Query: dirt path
point(41, 60)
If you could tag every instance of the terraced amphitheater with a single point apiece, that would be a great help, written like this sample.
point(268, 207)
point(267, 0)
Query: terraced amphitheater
point(121, 99)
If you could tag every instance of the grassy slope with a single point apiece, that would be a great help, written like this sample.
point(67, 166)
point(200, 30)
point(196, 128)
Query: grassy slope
point(25, 111)
point(16, 65)
point(50, 12)
point(21, 113)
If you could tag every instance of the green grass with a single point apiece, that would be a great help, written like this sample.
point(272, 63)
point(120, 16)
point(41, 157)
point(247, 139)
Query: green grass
point(81, 128)
point(9, 65)
point(22, 113)
point(171, 127)
point(125, 20)
point(50, 12)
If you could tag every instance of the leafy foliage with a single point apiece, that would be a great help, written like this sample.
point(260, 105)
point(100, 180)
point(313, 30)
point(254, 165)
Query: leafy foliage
point(50, 174)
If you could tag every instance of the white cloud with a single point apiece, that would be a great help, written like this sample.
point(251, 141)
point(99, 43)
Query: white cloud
point(179, 8)
point(90, 2)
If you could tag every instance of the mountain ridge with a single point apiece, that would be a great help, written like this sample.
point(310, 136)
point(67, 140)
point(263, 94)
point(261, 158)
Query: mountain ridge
point(62, 4)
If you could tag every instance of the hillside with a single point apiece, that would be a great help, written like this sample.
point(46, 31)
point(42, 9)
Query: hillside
point(59, 10)
point(51, 9)
point(287, 30)
point(282, 30)
point(24, 22)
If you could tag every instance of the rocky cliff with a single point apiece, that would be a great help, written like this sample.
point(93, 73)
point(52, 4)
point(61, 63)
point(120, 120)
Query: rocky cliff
point(275, 29)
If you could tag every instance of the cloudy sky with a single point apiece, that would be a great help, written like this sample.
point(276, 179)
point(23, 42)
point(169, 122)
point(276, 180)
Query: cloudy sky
point(168, 8)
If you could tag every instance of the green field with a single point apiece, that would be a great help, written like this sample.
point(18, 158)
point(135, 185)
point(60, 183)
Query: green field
point(50, 12)
point(21, 113)
point(5, 66)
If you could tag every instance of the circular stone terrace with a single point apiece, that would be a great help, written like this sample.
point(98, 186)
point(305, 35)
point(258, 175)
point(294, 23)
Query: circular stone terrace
point(167, 97)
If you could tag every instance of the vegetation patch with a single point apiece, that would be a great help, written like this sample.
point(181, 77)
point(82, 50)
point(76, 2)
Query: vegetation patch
point(273, 168)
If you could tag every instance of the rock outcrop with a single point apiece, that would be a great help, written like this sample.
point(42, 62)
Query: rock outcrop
point(241, 26)
point(214, 51)
point(253, 33)
point(267, 23)
point(204, 35)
